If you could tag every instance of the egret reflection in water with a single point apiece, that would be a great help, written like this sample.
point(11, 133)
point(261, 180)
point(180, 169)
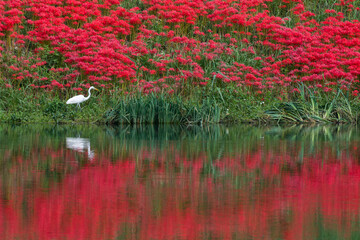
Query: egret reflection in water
point(80, 145)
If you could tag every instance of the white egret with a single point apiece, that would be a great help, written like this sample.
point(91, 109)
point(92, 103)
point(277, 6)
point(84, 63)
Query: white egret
point(80, 98)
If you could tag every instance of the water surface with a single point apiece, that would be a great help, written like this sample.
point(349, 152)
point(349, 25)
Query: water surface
point(217, 182)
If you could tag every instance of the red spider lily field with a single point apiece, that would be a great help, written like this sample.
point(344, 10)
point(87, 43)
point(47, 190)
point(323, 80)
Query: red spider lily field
point(282, 60)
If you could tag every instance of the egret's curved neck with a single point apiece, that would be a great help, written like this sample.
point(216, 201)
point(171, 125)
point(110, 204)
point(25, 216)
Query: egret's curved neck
point(88, 95)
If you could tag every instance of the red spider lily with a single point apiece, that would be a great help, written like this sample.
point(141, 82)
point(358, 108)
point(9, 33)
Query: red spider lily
point(103, 43)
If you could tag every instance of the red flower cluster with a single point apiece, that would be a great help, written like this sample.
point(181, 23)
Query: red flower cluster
point(170, 44)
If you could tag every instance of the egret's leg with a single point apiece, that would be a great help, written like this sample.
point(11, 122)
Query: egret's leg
point(78, 105)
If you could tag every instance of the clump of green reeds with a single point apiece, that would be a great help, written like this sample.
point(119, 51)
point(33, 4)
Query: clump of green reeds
point(15, 104)
point(162, 109)
point(311, 107)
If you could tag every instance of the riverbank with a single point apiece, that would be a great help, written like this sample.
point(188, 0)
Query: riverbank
point(203, 107)
point(182, 62)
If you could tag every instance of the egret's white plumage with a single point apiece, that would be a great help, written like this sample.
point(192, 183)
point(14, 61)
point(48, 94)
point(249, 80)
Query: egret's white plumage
point(80, 98)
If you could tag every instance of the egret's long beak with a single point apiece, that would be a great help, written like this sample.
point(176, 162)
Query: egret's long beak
point(96, 89)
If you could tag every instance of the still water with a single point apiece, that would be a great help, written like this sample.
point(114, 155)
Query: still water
point(217, 182)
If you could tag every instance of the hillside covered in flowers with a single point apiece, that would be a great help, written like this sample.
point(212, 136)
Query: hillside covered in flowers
point(256, 47)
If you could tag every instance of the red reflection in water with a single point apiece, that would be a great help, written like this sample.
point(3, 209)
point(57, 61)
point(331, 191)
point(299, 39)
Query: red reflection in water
point(259, 194)
point(90, 204)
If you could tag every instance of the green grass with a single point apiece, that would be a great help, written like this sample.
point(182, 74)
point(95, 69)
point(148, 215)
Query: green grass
point(28, 106)
point(336, 108)
point(202, 106)
point(163, 109)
